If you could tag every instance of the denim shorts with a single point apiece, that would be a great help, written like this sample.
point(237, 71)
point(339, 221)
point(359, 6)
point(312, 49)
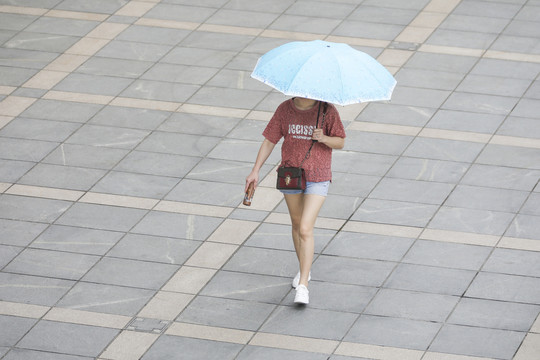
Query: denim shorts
point(312, 188)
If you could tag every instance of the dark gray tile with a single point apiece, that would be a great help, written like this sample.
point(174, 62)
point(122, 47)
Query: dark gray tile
point(35, 290)
point(19, 233)
point(264, 262)
point(510, 156)
point(178, 144)
point(88, 156)
point(26, 58)
point(130, 117)
point(527, 108)
point(483, 198)
point(108, 299)
point(68, 338)
point(505, 288)
point(419, 97)
point(388, 113)
point(343, 270)
point(480, 342)
point(199, 57)
point(265, 353)
point(395, 212)
point(428, 170)
point(24, 354)
point(93, 84)
point(62, 177)
point(106, 136)
point(114, 67)
point(441, 62)
point(185, 74)
point(365, 29)
point(466, 39)
point(12, 329)
point(308, 322)
point(232, 172)
point(489, 104)
point(225, 97)
point(442, 149)
point(227, 313)
point(466, 121)
point(96, 6)
point(160, 90)
point(191, 349)
point(61, 26)
point(160, 164)
point(41, 42)
point(515, 262)
point(501, 177)
point(153, 35)
point(47, 130)
point(411, 191)
point(430, 79)
point(381, 14)
point(101, 217)
point(352, 184)
point(525, 226)
point(441, 254)
point(10, 76)
point(12, 170)
point(491, 85)
point(482, 24)
point(361, 163)
point(31, 209)
point(8, 253)
point(129, 50)
point(25, 150)
point(520, 127)
point(471, 220)
point(61, 110)
point(532, 205)
point(130, 184)
point(395, 332)
point(246, 18)
point(386, 144)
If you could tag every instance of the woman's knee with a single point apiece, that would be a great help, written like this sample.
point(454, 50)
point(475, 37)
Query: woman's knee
point(306, 232)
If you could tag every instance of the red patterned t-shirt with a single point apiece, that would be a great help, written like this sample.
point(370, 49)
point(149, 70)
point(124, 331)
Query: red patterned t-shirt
point(296, 127)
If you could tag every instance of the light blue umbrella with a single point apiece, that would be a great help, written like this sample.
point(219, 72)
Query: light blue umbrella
point(326, 71)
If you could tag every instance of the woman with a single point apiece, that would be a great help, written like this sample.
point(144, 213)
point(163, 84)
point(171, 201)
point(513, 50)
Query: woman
point(295, 120)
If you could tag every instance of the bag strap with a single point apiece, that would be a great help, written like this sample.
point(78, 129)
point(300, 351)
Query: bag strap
point(316, 127)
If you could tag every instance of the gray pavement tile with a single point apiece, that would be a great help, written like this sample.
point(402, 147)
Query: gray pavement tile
point(85, 156)
point(129, 50)
point(534, 90)
point(308, 24)
point(236, 79)
point(343, 270)
point(321, 10)
point(516, 262)
point(60, 26)
point(428, 170)
point(96, 6)
point(26, 58)
point(368, 246)
point(481, 103)
point(28, 92)
point(276, 236)
point(54, 264)
point(227, 313)
point(390, 331)
point(226, 171)
point(419, 78)
point(335, 206)
point(471, 220)
point(246, 18)
point(505, 288)
point(107, 136)
point(396, 114)
point(5, 35)
point(123, 183)
point(249, 287)
point(308, 322)
point(248, 214)
point(442, 149)
point(10, 76)
point(101, 217)
point(491, 85)
point(516, 44)
point(63, 177)
point(492, 10)
point(233, 149)
point(31, 209)
point(448, 255)
point(123, 272)
point(527, 108)
point(395, 212)
point(178, 144)
point(108, 299)
point(441, 62)
point(386, 144)
point(13, 328)
point(25, 150)
point(19, 233)
point(396, 4)
point(41, 42)
point(464, 39)
point(24, 354)
point(218, 96)
point(352, 184)
point(191, 349)
point(180, 12)
point(264, 262)
point(521, 127)
point(480, 342)
point(411, 191)
point(77, 240)
point(430, 279)
point(481, 24)
point(200, 124)
point(363, 29)
point(483, 198)
point(361, 163)
point(419, 97)
point(496, 67)
point(190, 227)
point(494, 314)
point(466, 121)
point(336, 297)
point(130, 117)
point(68, 338)
point(412, 305)
point(158, 164)
point(532, 205)
point(16, 22)
point(33, 129)
point(93, 84)
point(12, 170)
point(260, 5)
point(198, 57)
point(114, 67)
point(379, 14)
point(154, 248)
point(245, 129)
point(35, 290)
point(185, 74)
point(61, 110)
point(8, 253)
point(217, 41)
point(510, 156)
point(160, 90)
point(501, 177)
point(153, 35)
point(525, 226)
point(264, 353)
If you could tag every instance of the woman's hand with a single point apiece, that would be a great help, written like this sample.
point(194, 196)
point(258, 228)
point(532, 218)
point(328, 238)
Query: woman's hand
point(318, 135)
point(252, 177)
point(332, 142)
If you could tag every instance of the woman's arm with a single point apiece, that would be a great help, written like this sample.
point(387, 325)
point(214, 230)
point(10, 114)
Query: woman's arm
point(333, 142)
point(264, 152)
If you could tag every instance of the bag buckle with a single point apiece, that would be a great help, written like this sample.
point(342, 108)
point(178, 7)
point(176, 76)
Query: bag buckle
point(287, 180)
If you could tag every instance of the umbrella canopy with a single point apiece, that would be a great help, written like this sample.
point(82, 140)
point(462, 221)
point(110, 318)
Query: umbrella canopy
point(325, 71)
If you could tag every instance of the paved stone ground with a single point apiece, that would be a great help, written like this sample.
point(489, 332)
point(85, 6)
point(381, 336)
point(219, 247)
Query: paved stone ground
point(127, 129)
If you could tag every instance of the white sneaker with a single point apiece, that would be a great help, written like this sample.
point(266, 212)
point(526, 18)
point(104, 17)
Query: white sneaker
point(296, 279)
point(302, 295)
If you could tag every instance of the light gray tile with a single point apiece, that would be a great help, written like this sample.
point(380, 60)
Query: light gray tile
point(159, 164)
point(395, 212)
point(411, 191)
point(25, 150)
point(505, 288)
point(129, 50)
point(195, 75)
point(480, 342)
point(265, 353)
point(501, 177)
point(351, 271)
point(41, 42)
point(178, 144)
point(12, 170)
point(12, 329)
point(31, 209)
point(483, 198)
point(47, 130)
point(516, 262)
point(62, 177)
point(264, 262)
point(37, 290)
point(61, 110)
point(19, 233)
point(448, 255)
point(61, 26)
point(114, 67)
point(106, 136)
point(191, 349)
point(200, 124)
point(160, 90)
point(130, 184)
point(396, 332)
point(85, 156)
point(412, 305)
point(466, 121)
point(96, 6)
point(68, 338)
point(153, 35)
point(101, 217)
point(388, 113)
point(8, 253)
point(226, 313)
point(428, 170)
